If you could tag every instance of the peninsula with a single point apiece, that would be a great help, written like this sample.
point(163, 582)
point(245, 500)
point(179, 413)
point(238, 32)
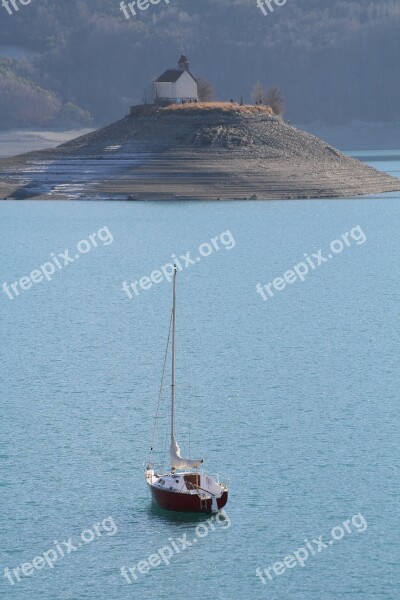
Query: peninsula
point(192, 151)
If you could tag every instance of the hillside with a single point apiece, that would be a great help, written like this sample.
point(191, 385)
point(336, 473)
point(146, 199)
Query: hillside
point(335, 61)
point(192, 152)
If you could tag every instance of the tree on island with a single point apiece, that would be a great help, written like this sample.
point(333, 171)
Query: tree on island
point(258, 93)
point(275, 99)
point(205, 90)
point(272, 97)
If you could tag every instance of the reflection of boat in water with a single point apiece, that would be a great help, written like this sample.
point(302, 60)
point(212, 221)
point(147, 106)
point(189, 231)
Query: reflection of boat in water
point(183, 487)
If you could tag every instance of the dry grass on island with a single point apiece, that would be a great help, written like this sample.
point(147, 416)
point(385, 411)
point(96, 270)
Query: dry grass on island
point(224, 107)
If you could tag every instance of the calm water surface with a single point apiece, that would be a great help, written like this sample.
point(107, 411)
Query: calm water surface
point(295, 399)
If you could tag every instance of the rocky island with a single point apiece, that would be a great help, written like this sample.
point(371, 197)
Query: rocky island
point(196, 151)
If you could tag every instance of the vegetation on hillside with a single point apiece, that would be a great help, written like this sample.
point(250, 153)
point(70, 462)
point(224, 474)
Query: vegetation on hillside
point(24, 103)
point(224, 107)
point(333, 60)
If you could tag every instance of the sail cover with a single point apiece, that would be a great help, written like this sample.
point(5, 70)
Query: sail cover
point(178, 462)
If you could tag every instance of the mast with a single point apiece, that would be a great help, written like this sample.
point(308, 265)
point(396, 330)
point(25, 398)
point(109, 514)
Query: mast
point(173, 358)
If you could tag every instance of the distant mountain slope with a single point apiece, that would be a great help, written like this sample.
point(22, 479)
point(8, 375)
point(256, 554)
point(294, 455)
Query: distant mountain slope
point(24, 103)
point(335, 60)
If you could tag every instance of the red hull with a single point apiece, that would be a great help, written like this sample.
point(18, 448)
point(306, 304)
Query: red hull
point(185, 502)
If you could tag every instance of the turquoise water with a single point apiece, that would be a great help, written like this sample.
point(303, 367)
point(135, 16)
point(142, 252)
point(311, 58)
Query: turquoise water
point(295, 398)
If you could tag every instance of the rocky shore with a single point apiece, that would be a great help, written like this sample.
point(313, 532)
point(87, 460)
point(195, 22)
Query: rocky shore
point(198, 151)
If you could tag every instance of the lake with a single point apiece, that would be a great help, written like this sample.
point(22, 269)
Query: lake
point(293, 398)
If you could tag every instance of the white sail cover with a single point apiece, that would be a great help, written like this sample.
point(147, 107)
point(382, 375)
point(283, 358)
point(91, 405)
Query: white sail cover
point(177, 462)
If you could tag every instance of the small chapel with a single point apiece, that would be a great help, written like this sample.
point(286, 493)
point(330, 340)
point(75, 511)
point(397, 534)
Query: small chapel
point(176, 85)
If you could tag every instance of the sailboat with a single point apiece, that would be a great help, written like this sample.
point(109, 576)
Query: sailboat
point(184, 487)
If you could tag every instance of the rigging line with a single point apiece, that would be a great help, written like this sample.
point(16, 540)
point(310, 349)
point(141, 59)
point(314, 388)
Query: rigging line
point(161, 389)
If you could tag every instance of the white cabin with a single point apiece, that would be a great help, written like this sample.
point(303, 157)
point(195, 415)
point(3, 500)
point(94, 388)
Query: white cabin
point(176, 85)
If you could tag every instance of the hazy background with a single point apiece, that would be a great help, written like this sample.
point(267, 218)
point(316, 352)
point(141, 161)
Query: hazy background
point(81, 62)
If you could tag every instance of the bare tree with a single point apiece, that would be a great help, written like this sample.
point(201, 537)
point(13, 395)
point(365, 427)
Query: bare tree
point(258, 93)
point(274, 98)
point(205, 90)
